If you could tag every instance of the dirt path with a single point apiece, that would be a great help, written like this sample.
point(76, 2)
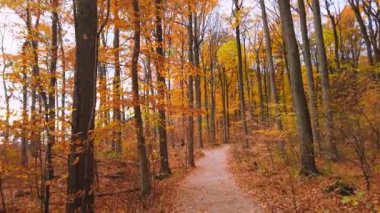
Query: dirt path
point(212, 188)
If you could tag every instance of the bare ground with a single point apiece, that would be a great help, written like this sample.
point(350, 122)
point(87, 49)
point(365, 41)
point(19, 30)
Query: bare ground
point(211, 187)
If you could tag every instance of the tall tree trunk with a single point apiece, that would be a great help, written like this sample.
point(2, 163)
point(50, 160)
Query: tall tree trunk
point(247, 79)
point(49, 172)
point(266, 95)
point(197, 81)
point(164, 158)
point(145, 185)
point(213, 104)
point(206, 101)
point(309, 71)
point(308, 166)
point(182, 85)
point(81, 158)
point(63, 76)
point(24, 141)
point(117, 135)
point(324, 73)
point(190, 96)
point(240, 74)
point(227, 85)
point(224, 105)
point(35, 137)
point(260, 86)
point(268, 48)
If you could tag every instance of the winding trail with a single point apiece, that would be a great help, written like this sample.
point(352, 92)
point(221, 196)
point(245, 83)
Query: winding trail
point(212, 188)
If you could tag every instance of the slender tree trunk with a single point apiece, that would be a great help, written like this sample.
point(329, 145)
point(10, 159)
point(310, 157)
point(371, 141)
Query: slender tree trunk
point(182, 85)
point(213, 104)
point(81, 164)
point(190, 96)
point(247, 80)
point(35, 137)
point(117, 134)
point(206, 102)
point(164, 158)
point(227, 105)
point(63, 76)
point(268, 48)
point(326, 96)
point(49, 172)
point(288, 75)
point(308, 166)
point(260, 87)
point(197, 80)
point(24, 142)
point(245, 140)
point(309, 71)
point(266, 95)
point(145, 184)
point(224, 105)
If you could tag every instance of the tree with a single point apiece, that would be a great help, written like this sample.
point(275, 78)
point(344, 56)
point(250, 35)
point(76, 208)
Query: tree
point(355, 4)
point(197, 78)
point(268, 48)
point(164, 159)
point(237, 15)
point(49, 173)
point(81, 158)
point(145, 185)
point(116, 140)
point(334, 22)
point(258, 48)
point(308, 166)
point(325, 83)
point(309, 70)
point(373, 16)
point(190, 95)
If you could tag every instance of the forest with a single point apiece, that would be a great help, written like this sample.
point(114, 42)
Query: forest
point(189, 106)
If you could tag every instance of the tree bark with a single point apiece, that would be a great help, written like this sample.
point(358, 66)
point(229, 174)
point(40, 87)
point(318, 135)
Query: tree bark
point(164, 158)
point(245, 140)
point(145, 184)
point(324, 73)
point(81, 158)
point(24, 141)
point(190, 96)
point(260, 86)
point(309, 71)
point(197, 80)
point(268, 48)
point(117, 134)
point(63, 76)
point(308, 166)
point(49, 172)
point(224, 105)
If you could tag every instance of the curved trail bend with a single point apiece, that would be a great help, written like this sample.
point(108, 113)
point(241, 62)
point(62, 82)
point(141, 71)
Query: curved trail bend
point(212, 188)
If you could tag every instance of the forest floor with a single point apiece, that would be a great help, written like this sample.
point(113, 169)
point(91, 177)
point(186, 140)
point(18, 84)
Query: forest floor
point(274, 182)
point(211, 187)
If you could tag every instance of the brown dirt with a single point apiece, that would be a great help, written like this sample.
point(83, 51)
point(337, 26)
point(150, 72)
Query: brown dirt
point(212, 188)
